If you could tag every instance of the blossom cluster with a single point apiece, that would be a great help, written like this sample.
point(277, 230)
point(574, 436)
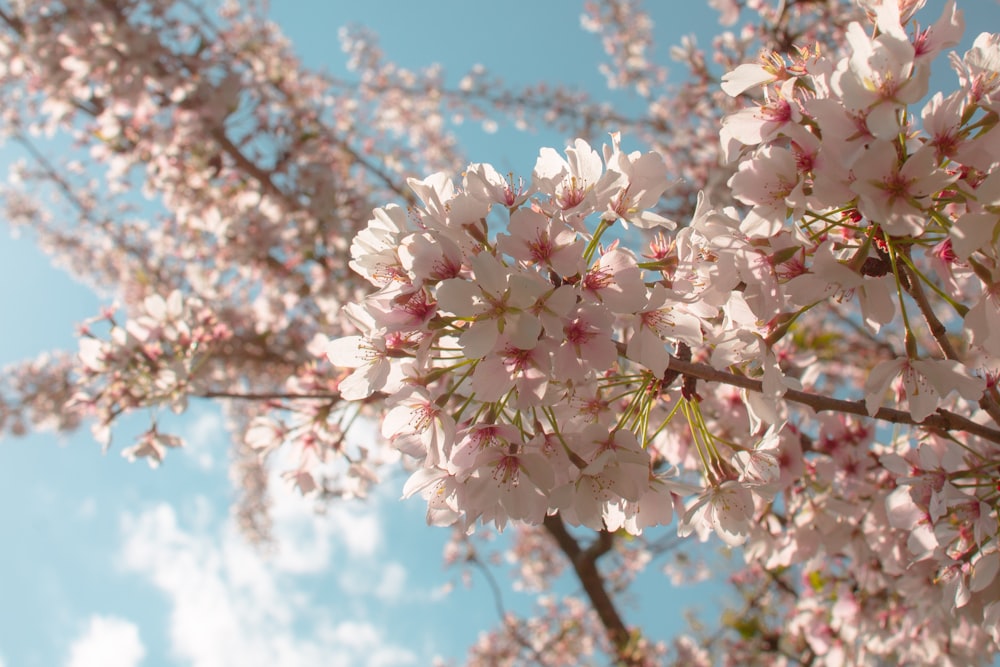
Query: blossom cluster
point(518, 368)
point(155, 355)
point(530, 361)
point(531, 364)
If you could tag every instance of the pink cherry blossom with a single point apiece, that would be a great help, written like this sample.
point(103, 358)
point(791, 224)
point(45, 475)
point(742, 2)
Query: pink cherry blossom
point(891, 193)
point(570, 183)
point(803, 365)
point(766, 182)
point(415, 414)
point(151, 446)
point(615, 281)
point(881, 74)
point(587, 343)
point(536, 239)
point(640, 181)
point(498, 301)
point(925, 383)
point(725, 509)
point(664, 320)
point(369, 358)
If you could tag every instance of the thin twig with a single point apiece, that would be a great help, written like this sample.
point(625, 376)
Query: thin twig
point(501, 610)
point(268, 396)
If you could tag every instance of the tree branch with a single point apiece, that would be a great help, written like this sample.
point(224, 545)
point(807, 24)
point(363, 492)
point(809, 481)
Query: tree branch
point(398, 188)
point(942, 419)
point(584, 563)
point(268, 396)
point(511, 623)
point(940, 334)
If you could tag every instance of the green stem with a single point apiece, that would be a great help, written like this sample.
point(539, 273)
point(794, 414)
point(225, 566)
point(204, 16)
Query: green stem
point(588, 253)
point(909, 340)
point(698, 437)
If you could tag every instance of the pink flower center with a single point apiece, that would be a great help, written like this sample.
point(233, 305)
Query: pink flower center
point(517, 360)
point(541, 248)
point(508, 470)
point(779, 111)
point(597, 278)
point(572, 194)
point(578, 333)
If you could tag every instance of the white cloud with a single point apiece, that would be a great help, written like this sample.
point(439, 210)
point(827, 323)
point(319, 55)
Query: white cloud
point(205, 435)
point(230, 605)
point(393, 584)
point(108, 641)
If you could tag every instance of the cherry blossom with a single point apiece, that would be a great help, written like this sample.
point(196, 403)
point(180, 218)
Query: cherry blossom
point(152, 447)
point(881, 72)
point(497, 301)
point(889, 192)
point(535, 238)
point(774, 325)
point(925, 383)
point(726, 509)
point(660, 320)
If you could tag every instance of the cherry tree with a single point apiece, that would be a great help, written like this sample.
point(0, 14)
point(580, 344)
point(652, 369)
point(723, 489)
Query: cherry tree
point(771, 329)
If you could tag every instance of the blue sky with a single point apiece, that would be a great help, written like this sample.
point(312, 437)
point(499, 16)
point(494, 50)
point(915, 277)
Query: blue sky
point(110, 563)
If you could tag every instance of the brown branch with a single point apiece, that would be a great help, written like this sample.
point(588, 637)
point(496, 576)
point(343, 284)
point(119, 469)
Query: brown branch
point(943, 420)
point(584, 563)
point(940, 334)
point(380, 174)
point(268, 396)
point(14, 22)
point(49, 170)
point(249, 167)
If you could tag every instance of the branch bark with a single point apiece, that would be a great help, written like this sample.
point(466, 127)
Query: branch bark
point(940, 334)
point(942, 420)
point(584, 563)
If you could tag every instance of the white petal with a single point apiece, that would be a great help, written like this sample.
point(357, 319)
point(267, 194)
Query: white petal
point(971, 232)
point(985, 571)
point(479, 339)
point(349, 351)
point(878, 381)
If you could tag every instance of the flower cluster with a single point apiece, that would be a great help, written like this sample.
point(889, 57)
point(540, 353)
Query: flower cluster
point(519, 369)
point(531, 364)
point(153, 358)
